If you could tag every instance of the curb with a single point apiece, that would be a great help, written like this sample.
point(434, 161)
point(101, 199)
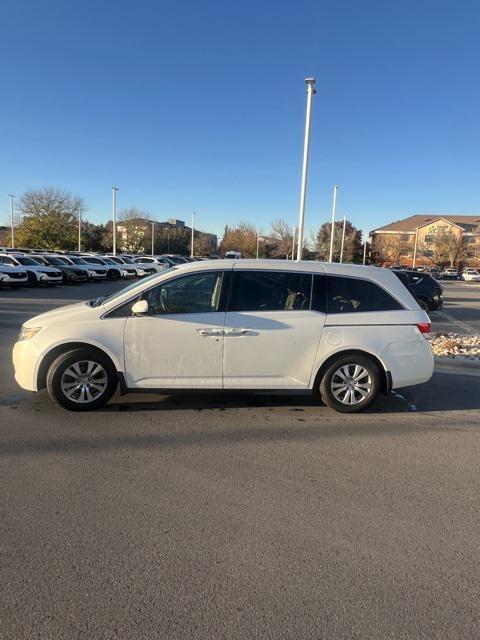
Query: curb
point(457, 365)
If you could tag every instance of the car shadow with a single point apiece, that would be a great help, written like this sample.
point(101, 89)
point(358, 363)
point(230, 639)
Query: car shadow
point(444, 392)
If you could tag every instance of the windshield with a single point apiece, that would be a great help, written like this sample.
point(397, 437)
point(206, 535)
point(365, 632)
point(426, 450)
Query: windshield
point(108, 260)
point(28, 261)
point(127, 260)
point(56, 260)
point(78, 261)
point(130, 287)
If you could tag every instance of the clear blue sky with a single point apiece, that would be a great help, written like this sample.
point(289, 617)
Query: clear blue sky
point(200, 106)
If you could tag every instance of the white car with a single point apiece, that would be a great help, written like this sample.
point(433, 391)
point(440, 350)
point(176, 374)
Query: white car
point(151, 264)
point(471, 275)
point(345, 331)
point(12, 277)
point(36, 273)
point(124, 260)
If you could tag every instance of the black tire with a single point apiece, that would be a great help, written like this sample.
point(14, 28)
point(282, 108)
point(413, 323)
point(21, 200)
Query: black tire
point(424, 305)
point(32, 279)
point(113, 274)
point(372, 380)
point(79, 357)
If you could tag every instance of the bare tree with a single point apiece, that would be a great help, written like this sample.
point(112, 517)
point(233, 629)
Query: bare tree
point(391, 248)
point(282, 237)
point(449, 247)
point(135, 230)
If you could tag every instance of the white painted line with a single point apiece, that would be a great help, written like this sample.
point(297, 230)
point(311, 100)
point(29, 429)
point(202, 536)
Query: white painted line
point(459, 323)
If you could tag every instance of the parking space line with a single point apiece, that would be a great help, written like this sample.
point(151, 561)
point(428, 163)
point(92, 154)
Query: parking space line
point(459, 323)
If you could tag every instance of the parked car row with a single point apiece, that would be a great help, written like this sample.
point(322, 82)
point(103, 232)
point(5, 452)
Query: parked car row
point(468, 274)
point(33, 268)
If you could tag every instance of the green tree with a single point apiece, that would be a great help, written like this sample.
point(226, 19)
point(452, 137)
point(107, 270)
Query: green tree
point(48, 219)
point(95, 237)
point(352, 250)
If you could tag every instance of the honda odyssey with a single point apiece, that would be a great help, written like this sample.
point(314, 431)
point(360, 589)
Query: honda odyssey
point(342, 331)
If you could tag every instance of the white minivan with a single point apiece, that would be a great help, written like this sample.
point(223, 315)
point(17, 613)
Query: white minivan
point(344, 331)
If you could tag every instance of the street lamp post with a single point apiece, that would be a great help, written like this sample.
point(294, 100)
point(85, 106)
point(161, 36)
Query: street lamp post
point(11, 196)
point(364, 251)
point(332, 231)
point(193, 233)
point(114, 219)
point(415, 249)
point(259, 239)
point(306, 144)
point(153, 238)
point(79, 228)
point(343, 238)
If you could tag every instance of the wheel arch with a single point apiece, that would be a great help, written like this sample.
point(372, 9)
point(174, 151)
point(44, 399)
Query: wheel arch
point(56, 351)
point(386, 376)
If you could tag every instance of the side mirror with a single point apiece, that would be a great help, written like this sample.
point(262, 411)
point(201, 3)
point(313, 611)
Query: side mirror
point(140, 307)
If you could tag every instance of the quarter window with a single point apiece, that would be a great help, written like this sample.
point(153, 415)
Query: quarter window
point(270, 291)
point(352, 295)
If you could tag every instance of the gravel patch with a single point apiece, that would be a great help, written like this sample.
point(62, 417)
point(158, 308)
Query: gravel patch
point(453, 345)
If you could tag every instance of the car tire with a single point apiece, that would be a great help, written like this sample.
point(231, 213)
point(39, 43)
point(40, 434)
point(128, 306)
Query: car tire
point(424, 305)
point(32, 279)
point(113, 274)
point(350, 397)
point(70, 386)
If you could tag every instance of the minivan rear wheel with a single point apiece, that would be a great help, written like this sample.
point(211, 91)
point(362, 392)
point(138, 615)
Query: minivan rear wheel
point(350, 384)
point(81, 379)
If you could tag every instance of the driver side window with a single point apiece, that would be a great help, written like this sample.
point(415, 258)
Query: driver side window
point(196, 293)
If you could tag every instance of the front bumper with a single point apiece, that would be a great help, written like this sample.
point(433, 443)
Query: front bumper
point(26, 358)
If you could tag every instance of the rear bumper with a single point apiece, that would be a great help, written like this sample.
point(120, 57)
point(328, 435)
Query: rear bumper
point(409, 363)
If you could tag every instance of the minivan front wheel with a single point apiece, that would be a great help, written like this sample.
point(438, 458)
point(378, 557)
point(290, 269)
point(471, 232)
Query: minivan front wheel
point(350, 384)
point(81, 379)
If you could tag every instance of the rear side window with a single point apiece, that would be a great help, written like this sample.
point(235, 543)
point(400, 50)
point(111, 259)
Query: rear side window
point(270, 291)
point(353, 295)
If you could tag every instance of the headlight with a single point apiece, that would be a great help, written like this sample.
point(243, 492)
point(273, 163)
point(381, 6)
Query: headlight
point(28, 332)
point(124, 273)
point(90, 273)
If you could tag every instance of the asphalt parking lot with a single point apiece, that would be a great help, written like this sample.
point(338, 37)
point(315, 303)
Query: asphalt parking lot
point(239, 517)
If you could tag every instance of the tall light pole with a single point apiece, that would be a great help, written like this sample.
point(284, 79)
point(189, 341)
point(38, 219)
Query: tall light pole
point(415, 249)
point(193, 233)
point(79, 228)
point(364, 251)
point(153, 238)
point(343, 238)
point(114, 219)
point(259, 239)
point(11, 196)
point(306, 144)
point(332, 231)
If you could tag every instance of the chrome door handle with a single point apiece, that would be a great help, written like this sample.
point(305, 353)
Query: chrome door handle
point(210, 332)
point(236, 332)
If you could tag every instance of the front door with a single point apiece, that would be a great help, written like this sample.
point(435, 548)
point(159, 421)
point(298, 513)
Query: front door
point(179, 343)
point(271, 332)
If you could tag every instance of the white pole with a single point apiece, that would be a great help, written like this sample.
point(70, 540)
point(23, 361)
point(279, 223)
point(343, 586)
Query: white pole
point(364, 250)
point(332, 231)
point(79, 228)
point(114, 219)
point(310, 91)
point(11, 196)
point(258, 240)
point(153, 238)
point(191, 249)
point(415, 249)
point(343, 238)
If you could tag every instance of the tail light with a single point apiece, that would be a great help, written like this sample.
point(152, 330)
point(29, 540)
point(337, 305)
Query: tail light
point(424, 327)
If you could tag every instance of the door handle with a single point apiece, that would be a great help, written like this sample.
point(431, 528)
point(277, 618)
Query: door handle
point(210, 332)
point(236, 332)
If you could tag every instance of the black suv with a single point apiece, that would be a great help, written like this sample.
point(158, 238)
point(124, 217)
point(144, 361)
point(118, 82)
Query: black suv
point(427, 291)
